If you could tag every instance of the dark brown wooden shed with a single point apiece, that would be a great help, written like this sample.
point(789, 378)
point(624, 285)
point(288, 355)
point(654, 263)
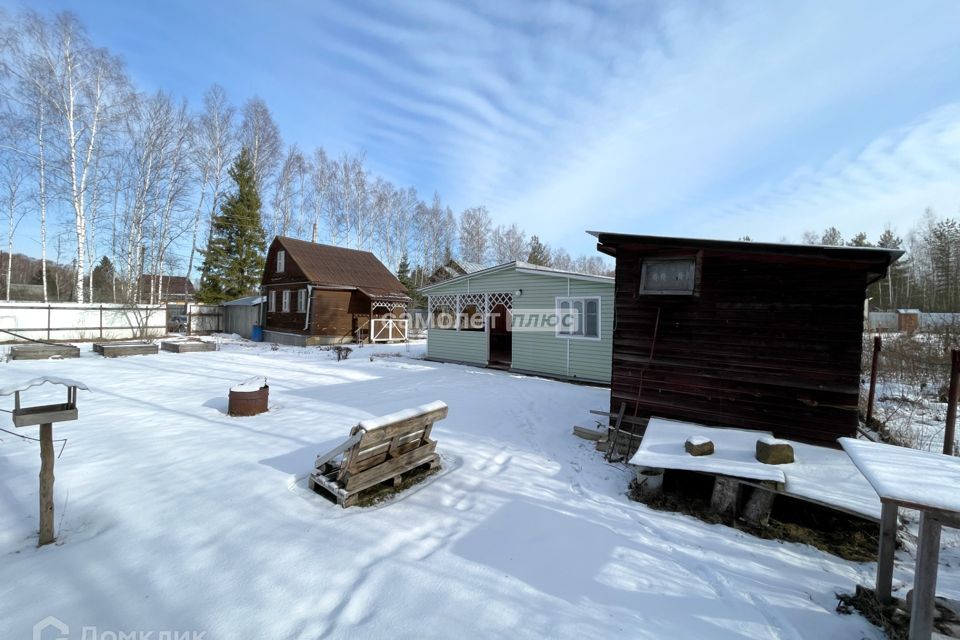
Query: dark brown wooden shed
point(322, 294)
point(741, 334)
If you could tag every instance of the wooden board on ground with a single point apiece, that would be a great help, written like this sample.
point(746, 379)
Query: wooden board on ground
point(398, 444)
point(187, 346)
point(121, 349)
point(38, 351)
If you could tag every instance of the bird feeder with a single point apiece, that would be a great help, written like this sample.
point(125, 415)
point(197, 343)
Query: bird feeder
point(44, 416)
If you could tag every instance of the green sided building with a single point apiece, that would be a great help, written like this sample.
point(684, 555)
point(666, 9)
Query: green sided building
point(524, 318)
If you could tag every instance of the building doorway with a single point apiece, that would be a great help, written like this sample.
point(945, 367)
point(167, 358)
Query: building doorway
point(501, 340)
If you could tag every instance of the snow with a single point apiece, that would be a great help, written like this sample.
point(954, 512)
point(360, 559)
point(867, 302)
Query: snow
point(698, 441)
point(405, 414)
point(251, 384)
point(822, 474)
point(10, 389)
point(770, 441)
point(734, 450)
point(908, 476)
point(172, 515)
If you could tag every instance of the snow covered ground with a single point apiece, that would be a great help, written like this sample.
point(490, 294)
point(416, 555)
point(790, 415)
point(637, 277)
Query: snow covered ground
point(173, 516)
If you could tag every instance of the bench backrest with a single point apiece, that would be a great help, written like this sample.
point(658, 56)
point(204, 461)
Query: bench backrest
point(391, 436)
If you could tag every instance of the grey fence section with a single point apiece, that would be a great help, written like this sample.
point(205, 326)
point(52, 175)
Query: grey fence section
point(882, 321)
point(61, 321)
point(939, 320)
point(889, 321)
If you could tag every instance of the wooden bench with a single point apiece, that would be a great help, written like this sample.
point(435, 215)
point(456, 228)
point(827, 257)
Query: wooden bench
point(43, 351)
point(120, 349)
point(187, 346)
point(377, 451)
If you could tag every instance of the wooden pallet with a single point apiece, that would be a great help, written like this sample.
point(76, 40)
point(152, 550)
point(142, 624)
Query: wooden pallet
point(187, 346)
point(121, 349)
point(43, 351)
point(372, 456)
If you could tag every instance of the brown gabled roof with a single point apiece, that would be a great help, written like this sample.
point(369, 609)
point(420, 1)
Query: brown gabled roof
point(330, 266)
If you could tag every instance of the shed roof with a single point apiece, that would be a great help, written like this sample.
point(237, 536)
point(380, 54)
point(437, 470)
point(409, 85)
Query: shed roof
point(523, 267)
point(340, 268)
point(875, 260)
point(246, 301)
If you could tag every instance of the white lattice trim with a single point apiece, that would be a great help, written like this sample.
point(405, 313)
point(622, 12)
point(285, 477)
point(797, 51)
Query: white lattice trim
point(506, 299)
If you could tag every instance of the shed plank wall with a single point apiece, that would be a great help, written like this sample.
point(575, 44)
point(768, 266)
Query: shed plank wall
point(764, 345)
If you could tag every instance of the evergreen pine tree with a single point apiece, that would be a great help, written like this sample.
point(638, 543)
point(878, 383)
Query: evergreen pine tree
point(403, 272)
point(234, 258)
point(539, 254)
point(103, 275)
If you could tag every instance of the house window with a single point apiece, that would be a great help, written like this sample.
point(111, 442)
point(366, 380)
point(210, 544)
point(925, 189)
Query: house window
point(272, 301)
point(286, 301)
point(281, 260)
point(302, 301)
point(668, 277)
point(578, 318)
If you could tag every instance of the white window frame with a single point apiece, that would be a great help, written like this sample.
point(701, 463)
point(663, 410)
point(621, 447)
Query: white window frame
point(281, 261)
point(272, 301)
point(691, 262)
point(302, 301)
point(286, 301)
point(560, 330)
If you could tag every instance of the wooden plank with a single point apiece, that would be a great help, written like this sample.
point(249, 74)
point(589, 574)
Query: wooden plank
point(925, 578)
point(337, 450)
point(390, 468)
point(375, 436)
point(888, 545)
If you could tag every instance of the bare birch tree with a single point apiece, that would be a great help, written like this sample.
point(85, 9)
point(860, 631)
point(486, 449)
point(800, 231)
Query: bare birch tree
point(475, 229)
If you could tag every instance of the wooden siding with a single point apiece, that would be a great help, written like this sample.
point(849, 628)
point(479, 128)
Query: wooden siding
point(538, 352)
point(766, 344)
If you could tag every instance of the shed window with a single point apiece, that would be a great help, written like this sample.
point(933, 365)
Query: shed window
point(272, 301)
point(286, 301)
point(281, 260)
point(578, 318)
point(302, 301)
point(668, 277)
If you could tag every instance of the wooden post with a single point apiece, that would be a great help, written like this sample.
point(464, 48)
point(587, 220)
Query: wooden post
point(888, 545)
point(950, 430)
point(726, 491)
point(47, 534)
point(925, 578)
point(877, 343)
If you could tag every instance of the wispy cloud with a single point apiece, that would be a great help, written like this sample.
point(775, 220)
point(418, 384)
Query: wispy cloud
point(691, 118)
point(670, 119)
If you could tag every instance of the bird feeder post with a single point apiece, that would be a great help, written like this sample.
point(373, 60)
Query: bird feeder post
point(47, 534)
point(45, 416)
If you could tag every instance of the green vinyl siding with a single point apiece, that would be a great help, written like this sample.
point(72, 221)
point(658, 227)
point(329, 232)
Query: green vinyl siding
point(540, 351)
point(457, 346)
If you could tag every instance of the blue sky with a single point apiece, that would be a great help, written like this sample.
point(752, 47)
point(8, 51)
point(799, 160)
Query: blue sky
point(672, 118)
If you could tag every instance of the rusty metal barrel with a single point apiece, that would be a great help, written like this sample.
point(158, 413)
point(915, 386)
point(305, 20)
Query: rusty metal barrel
point(249, 398)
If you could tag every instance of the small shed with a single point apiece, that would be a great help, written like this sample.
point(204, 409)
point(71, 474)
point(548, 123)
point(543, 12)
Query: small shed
point(751, 335)
point(908, 320)
point(322, 294)
point(524, 318)
point(240, 315)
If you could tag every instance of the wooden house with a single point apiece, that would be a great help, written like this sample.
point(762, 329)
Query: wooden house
point(163, 289)
point(452, 269)
point(741, 334)
point(524, 318)
point(321, 294)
